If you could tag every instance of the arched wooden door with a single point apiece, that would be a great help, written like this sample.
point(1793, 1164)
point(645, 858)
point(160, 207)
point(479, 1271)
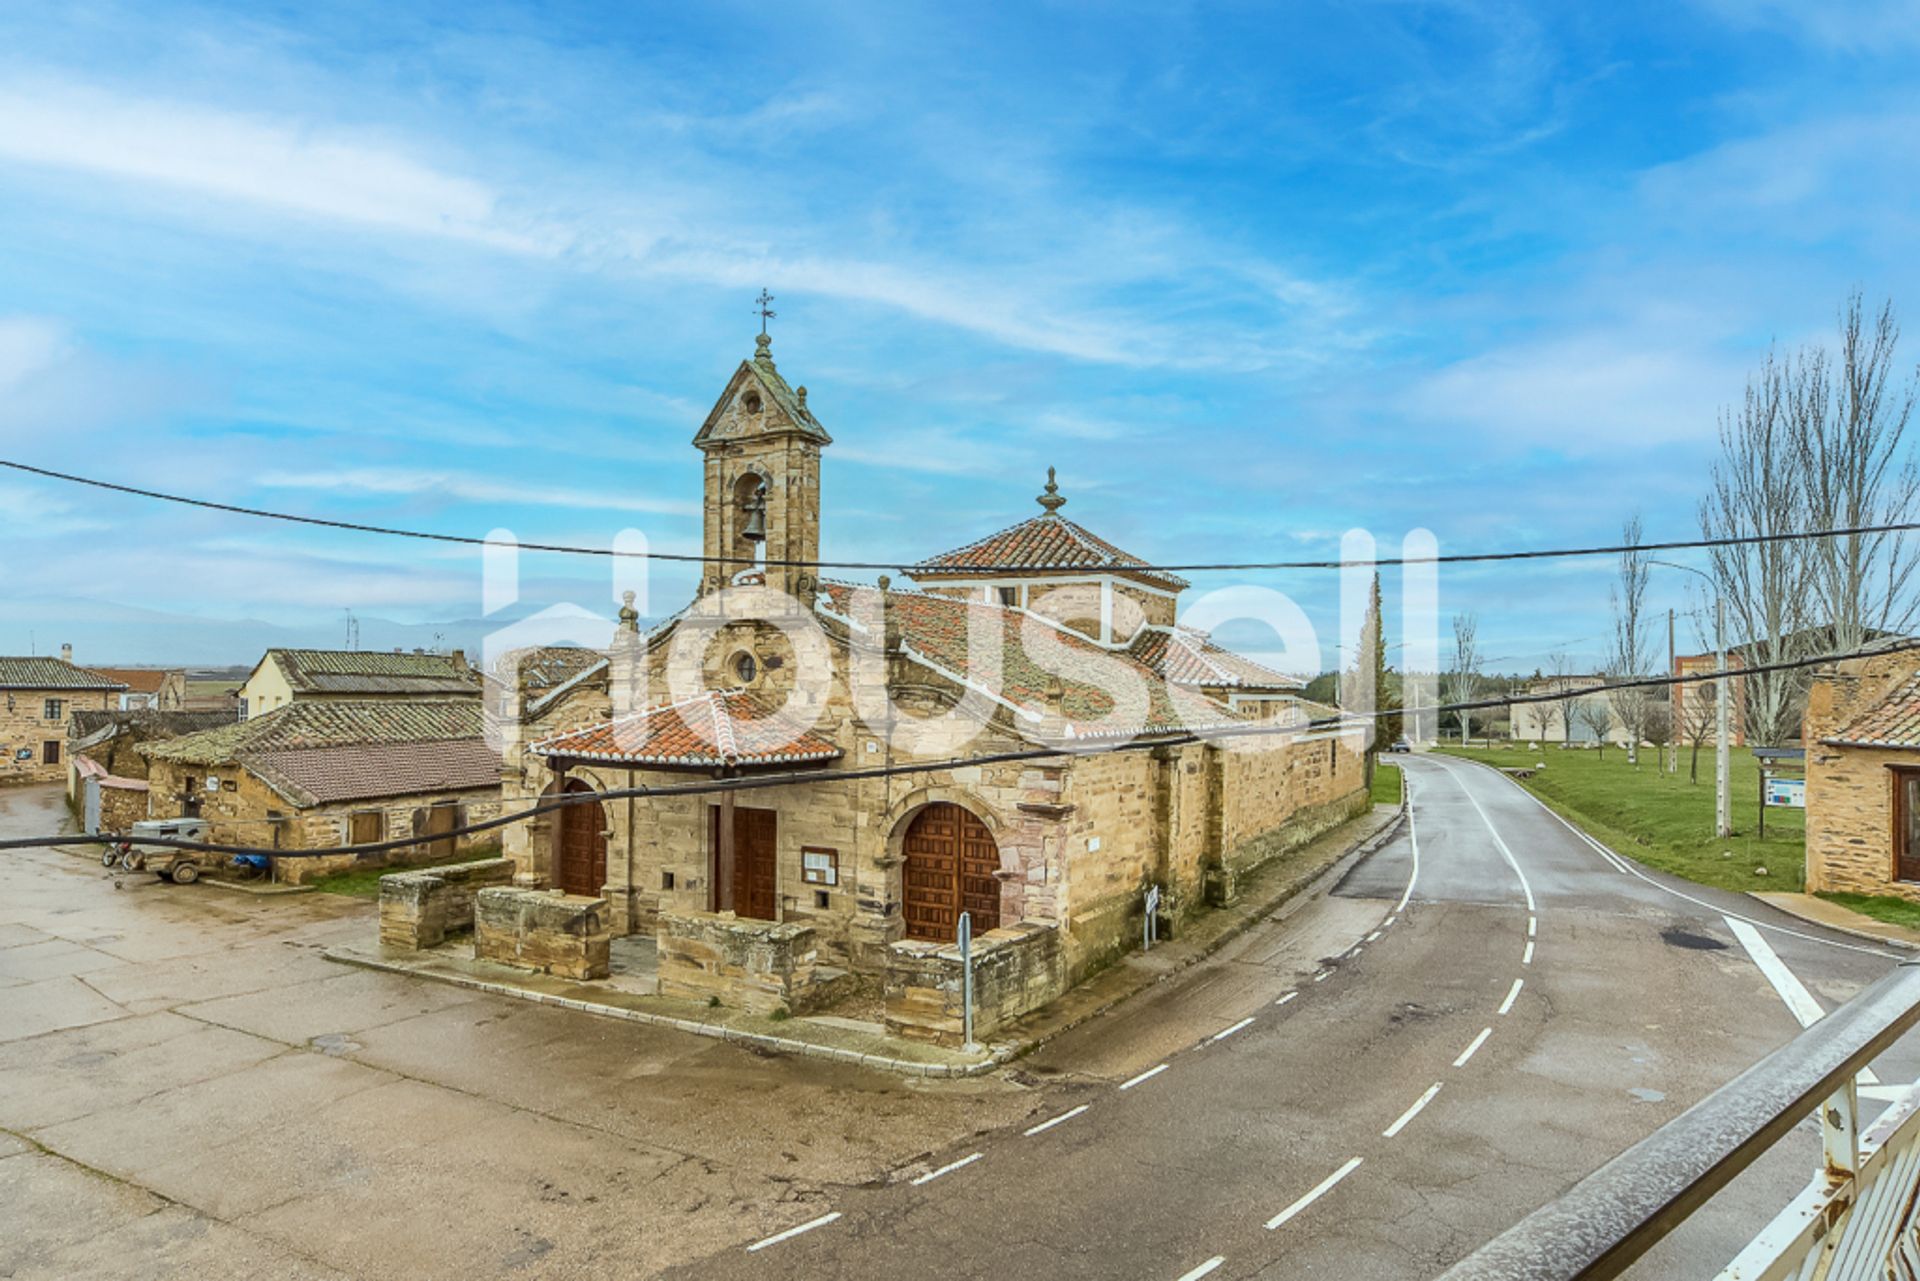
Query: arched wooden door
point(580, 859)
point(951, 859)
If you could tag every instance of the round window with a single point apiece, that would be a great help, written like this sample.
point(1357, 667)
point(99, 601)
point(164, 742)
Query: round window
point(745, 668)
point(751, 402)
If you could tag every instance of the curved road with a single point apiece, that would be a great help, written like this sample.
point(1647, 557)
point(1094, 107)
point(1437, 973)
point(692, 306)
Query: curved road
point(1481, 1013)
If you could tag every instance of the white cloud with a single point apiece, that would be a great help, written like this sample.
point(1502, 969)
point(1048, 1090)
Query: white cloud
point(465, 488)
point(27, 346)
point(1852, 26)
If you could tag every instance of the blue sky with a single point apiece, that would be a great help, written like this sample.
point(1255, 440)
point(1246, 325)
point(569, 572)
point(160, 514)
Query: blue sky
point(1248, 275)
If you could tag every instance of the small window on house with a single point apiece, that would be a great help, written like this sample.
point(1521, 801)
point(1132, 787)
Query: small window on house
point(745, 668)
point(1010, 596)
point(366, 827)
point(54, 707)
point(666, 880)
point(243, 709)
point(751, 402)
point(822, 899)
point(50, 751)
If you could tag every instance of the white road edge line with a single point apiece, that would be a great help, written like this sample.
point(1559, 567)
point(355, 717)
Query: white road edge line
point(1512, 993)
point(790, 1233)
point(931, 1175)
point(1526, 958)
point(1469, 1052)
point(1325, 1186)
point(1493, 831)
point(1204, 1268)
point(1623, 865)
point(1411, 1112)
point(1064, 1116)
point(1221, 1036)
point(1288, 997)
point(1373, 936)
point(1413, 844)
point(1805, 1008)
point(1322, 976)
point(1147, 1075)
point(1532, 922)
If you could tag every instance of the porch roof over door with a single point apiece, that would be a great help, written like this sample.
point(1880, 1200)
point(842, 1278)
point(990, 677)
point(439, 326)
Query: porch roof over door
point(719, 729)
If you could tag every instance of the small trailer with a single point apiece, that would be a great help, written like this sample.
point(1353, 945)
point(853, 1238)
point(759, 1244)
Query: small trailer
point(182, 867)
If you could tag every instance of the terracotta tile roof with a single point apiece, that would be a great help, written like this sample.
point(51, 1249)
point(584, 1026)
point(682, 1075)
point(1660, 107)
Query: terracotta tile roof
point(366, 771)
point(51, 673)
point(140, 680)
point(720, 727)
point(1187, 657)
point(1894, 721)
point(935, 630)
point(356, 671)
point(326, 724)
point(1045, 542)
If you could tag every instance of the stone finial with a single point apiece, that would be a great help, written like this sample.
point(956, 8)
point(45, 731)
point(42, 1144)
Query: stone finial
point(1056, 691)
point(1051, 499)
point(763, 348)
point(629, 616)
point(886, 584)
point(801, 392)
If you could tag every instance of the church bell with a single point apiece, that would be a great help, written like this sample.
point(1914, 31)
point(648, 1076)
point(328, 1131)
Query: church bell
point(756, 509)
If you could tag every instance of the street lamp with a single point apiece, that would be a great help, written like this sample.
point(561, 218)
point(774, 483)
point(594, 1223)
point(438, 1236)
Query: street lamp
point(1722, 800)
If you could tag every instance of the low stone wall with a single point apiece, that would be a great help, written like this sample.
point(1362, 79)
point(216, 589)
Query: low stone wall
point(561, 934)
point(419, 909)
point(1016, 970)
point(744, 964)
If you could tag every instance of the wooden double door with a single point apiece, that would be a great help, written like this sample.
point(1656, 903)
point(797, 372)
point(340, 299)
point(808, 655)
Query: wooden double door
point(951, 861)
point(580, 859)
point(756, 885)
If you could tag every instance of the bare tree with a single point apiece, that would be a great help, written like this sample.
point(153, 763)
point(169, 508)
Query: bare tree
point(1628, 659)
point(1657, 723)
point(1696, 721)
point(1560, 667)
point(1758, 490)
point(1461, 682)
point(1596, 713)
point(1849, 422)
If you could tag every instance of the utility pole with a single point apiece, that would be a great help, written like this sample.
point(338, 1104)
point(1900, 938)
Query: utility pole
point(1722, 801)
point(1673, 722)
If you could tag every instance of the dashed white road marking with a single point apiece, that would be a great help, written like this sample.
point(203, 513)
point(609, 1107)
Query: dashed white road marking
point(1204, 1268)
point(1411, 1112)
point(790, 1233)
point(1288, 997)
point(1064, 1116)
point(1532, 921)
point(1320, 1189)
point(1147, 1075)
point(1478, 1041)
point(1801, 1003)
point(1373, 936)
point(1512, 994)
point(1322, 976)
point(1221, 1036)
point(1526, 958)
point(931, 1175)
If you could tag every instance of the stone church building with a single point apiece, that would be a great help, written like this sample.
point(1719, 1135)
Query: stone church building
point(1028, 656)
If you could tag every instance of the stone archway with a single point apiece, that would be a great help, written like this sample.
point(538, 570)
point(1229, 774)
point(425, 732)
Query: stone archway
point(951, 859)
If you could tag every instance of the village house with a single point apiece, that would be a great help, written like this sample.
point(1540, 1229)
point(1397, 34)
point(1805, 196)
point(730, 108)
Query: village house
point(318, 774)
point(1862, 734)
point(283, 676)
point(148, 687)
point(106, 774)
point(833, 687)
point(1584, 717)
point(38, 698)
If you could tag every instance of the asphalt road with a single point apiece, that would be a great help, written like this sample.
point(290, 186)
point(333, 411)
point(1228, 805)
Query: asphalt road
point(1483, 1012)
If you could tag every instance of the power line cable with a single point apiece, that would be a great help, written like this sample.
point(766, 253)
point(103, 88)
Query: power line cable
point(1345, 720)
point(1452, 558)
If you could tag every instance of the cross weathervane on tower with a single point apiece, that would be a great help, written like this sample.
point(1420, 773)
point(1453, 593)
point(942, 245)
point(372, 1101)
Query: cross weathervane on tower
point(765, 311)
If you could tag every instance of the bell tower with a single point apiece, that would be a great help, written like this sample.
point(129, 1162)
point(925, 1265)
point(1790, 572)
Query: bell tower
point(762, 447)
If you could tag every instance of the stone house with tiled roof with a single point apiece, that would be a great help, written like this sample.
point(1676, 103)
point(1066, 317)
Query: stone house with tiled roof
point(938, 751)
point(1862, 736)
point(38, 698)
point(283, 676)
point(313, 775)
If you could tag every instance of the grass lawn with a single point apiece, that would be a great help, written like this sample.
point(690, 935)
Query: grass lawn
point(1386, 783)
point(1881, 907)
point(364, 882)
point(1661, 819)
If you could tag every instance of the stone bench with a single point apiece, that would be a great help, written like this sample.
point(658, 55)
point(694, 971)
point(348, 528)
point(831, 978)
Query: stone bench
point(567, 935)
point(743, 964)
point(1016, 970)
point(419, 909)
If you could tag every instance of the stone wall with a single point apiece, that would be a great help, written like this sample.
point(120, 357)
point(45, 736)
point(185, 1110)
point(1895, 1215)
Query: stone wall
point(122, 805)
point(1850, 789)
point(25, 727)
point(420, 909)
point(543, 930)
point(1016, 970)
point(758, 966)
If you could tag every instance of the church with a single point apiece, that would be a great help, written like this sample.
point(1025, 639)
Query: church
point(1021, 735)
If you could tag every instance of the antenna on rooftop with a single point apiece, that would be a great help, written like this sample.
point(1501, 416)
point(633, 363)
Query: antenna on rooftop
point(353, 629)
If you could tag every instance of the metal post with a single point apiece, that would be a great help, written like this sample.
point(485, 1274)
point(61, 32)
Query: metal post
point(1673, 722)
point(1723, 803)
point(1150, 927)
point(1840, 1132)
point(966, 982)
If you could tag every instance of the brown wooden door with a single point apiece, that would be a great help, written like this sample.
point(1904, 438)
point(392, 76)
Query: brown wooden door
point(581, 863)
point(1906, 825)
point(442, 817)
point(951, 859)
point(755, 853)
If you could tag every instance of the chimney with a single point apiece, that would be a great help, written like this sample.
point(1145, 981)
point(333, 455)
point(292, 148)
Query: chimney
point(66, 653)
point(459, 659)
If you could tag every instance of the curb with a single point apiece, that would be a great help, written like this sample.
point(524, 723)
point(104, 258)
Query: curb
point(258, 891)
point(788, 1045)
point(1868, 935)
point(1292, 898)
